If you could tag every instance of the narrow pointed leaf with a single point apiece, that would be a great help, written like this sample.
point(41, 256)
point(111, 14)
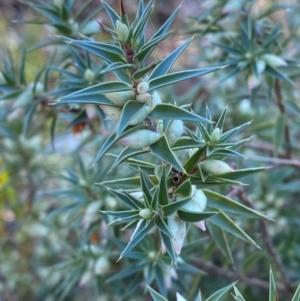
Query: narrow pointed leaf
point(169, 247)
point(129, 111)
point(240, 173)
point(194, 159)
point(163, 189)
point(139, 235)
point(220, 238)
point(179, 76)
point(193, 217)
point(221, 202)
point(122, 214)
point(227, 224)
point(169, 111)
point(125, 154)
point(174, 206)
point(155, 295)
point(93, 94)
point(272, 288)
point(220, 293)
point(227, 135)
point(296, 296)
point(163, 151)
point(162, 226)
point(164, 66)
point(128, 199)
point(111, 12)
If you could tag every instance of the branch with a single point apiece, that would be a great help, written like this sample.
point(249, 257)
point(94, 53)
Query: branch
point(267, 240)
point(278, 102)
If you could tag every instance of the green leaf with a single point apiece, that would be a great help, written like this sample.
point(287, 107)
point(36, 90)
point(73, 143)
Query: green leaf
point(111, 12)
point(146, 188)
point(179, 76)
point(227, 135)
point(296, 296)
point(251, 260)
point(227, 224)
point(272, 288)
point(146, 49)
point(219, 236)
point(156, 296)
point(277, 74)
point(174, 206)
point(221, 202)
point(169, 111)
point(184, 189)
point(122, 214)
point(129, 111)
point(228, 49)
point(193, 217)
point(107, 52)
point(168, 244)
point(162, 226)
point(220, 293)
point(187, 142)
point(221, 119)
point(28, 117)
point(140, 232)
point(163, 151)
point(125, 154)
point(164, 66)
point(278, 133)
point(222, 153)
point(240, 173)
point(163, 189)
point(93, 94)
point(238, 295)
point(128, 199)
point(115, 66)
point(193, 160)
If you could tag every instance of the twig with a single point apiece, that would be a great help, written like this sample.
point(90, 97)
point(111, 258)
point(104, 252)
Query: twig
point(278, 101)
point(216, 270)
point(267, 240)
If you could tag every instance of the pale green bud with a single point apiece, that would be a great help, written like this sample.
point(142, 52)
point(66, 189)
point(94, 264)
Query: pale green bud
point(89, 75)
point(155, 99)
point(142, 88)
point(120, 98)
point(122, 31)
point(143, 98)
point(273, 60)
point(253, 81)
point(174, 131)
point(261, 66)
point(215, 135)
point(215, 167)
point(113, 112)
point(140, 139)
point(140, 115)
point(91, 27)
point(86, 278)
point(102, 266)
point(23, 99)
point(74, 25)
point(197, 202)
point(145, 213)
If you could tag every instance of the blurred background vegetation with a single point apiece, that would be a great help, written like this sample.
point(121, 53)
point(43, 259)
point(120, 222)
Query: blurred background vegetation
point(51, 233)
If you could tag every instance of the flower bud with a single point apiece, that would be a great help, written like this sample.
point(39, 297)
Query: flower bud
point(155, 100)
point(145, 213)
point(178, 229)
point(142, 88)
point(174, 131)
point(215, 167)
point(253, 81)
point(102, 266)
point(143, 98)
point(197, 202)
point(120, 98)
point(215, 135)
point(140, 139)
point(261, 66)
point(91, 28)
point(86, 278)
point(273, 60)
point(140, 115)
point(89, 75)
point(91, 213)
point(122, 31)
point(58, 3)
point(113, 112)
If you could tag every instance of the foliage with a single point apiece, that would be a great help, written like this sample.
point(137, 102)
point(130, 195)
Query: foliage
point(116, 155)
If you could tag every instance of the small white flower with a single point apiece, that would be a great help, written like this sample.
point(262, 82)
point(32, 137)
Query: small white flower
point(178, 229)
